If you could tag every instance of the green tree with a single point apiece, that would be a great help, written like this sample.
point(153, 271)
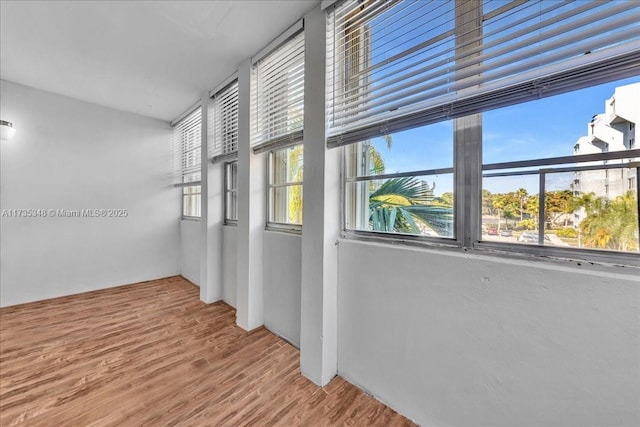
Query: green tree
point(557, 205)
point(487, 203)
point(446, 199)
point(506, 205)
point(610, 224)
point(522, 198)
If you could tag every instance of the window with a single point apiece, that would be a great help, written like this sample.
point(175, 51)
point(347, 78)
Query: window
point(487, 70)
point(285, 186)
point(385, 192)
point(187, 155)
point(223, 121)
point(231, 193)
point(554, 199)
point(277, 128)
point(191, 201)
point(223, 140)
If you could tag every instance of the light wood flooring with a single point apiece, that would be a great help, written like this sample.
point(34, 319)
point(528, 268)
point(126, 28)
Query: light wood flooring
point(152, 354)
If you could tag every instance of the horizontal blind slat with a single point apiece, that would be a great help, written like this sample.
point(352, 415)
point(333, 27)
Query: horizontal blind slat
point(277, 89)
point(394, 59)
point(186, 148)
point(225, 122)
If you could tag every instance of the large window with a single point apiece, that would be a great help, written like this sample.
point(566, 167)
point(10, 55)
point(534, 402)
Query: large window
point(277, 128)
point(187, 161)
point(223, 143)
point(285, 186)
point(545, 87)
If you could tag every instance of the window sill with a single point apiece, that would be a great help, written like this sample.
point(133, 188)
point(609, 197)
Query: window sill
point(190, 218)
point(284, 228)
point(573, 255)
point(517, 252)
point(400, 239)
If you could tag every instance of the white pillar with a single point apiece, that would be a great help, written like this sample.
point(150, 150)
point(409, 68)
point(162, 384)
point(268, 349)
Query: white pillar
point(251, 213)
point(210, 220)
point(321, 218)
point(210, 278)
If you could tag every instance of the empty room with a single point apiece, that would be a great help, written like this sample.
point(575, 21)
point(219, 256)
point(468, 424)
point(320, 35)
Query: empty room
point(320, 213)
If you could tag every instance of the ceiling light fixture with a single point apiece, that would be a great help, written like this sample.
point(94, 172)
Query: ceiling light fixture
point(6, 130)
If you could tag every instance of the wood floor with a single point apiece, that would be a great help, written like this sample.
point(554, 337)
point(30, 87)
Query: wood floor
point(152, 354)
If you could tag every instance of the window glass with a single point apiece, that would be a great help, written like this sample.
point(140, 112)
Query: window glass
point(285, 185)
point(402, 183)
point(585, 204)
point(191, 201)
point(231, 193)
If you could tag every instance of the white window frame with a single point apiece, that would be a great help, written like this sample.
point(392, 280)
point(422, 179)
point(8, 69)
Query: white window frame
point(197, 194)
point(275, 207)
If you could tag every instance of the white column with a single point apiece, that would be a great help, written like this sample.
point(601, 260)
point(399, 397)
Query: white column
point(251, 213)
point(321, 218)
point(210, 220)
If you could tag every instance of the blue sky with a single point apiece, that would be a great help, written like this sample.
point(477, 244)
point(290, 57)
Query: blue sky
point(545, 128)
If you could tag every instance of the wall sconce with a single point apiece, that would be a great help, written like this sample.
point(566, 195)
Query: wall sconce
point(6, 130)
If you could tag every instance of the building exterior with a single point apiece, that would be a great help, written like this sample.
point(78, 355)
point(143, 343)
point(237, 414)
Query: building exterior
point(613, 130)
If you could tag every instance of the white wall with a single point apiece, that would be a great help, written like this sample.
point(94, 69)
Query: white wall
point(450, 339)
point(282, 277)
point(69, 154)
point(190, 247)
point(230, 264)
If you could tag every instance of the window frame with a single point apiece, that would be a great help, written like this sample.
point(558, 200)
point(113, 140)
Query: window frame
point(346, 180)
point(272, 186)
point(227, 190)
point(469, 170)
point(186, 196)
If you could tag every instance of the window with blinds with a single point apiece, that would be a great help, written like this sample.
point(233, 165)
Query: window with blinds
point(223, 121)
point(394, 65)
point(186, 148)
point(277, 86)
point(187, 160)
point(467, 120)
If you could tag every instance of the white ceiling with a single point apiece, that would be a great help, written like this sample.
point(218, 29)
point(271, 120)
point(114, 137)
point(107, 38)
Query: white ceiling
point(154, 58)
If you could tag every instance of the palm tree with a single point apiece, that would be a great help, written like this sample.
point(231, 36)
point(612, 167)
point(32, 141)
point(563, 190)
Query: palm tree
point(522, 196)
point(611, 224)
point(403, 205)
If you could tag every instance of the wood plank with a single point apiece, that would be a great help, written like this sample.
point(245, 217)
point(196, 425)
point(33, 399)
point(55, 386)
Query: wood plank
point(153, 354)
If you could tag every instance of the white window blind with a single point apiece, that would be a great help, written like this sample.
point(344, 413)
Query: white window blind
point(186, 148)
point(397, 64)
point(278, 97)
point(223, 121)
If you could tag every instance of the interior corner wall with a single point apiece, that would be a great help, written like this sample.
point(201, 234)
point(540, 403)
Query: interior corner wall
point(282, 278)
point(71, 155)
point(190, 249)
point(451, 339)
